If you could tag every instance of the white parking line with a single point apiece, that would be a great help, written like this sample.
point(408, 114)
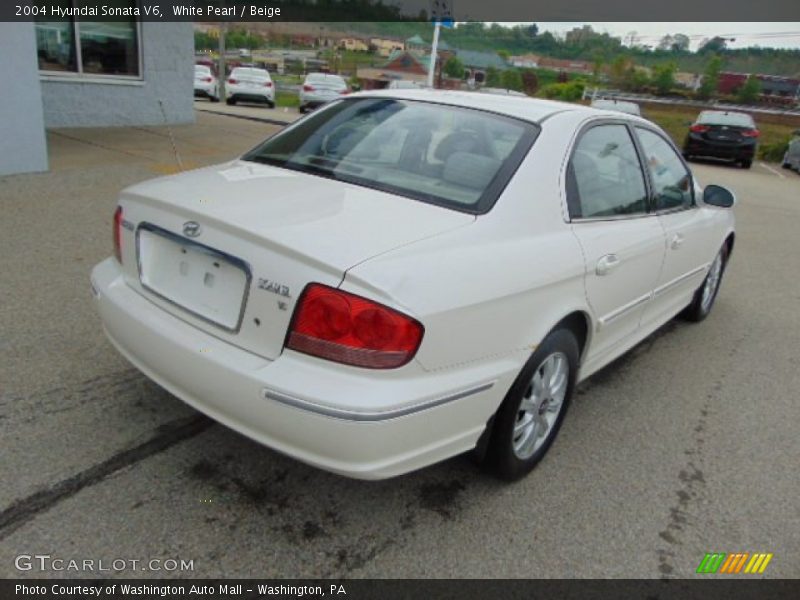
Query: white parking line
point(773, 171)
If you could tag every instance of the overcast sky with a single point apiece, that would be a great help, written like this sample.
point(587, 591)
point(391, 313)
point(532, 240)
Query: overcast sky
point(775, 35)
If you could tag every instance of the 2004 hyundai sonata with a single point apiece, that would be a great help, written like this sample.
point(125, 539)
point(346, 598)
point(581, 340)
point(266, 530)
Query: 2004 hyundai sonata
point(404, 276)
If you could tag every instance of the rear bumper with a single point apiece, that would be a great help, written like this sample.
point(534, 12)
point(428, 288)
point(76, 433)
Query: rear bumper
point(700, 147)
point(355, 422)
point(251, 94)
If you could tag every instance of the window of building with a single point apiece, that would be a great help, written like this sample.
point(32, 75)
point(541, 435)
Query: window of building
point(90, 48)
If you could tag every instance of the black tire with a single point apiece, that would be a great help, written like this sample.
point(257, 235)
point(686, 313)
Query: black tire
point(302, 109)
point(502, 460)
point(746, 164)
point(270, 104)
point(213, 99)
point(699, 310)
point(230, 101)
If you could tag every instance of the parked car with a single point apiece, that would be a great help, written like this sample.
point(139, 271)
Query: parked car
point(321, 88)
point(205, 83)
point(722, 134)
point(410, 275)
point(629, 108)
point(791, 159)
point(248, 84)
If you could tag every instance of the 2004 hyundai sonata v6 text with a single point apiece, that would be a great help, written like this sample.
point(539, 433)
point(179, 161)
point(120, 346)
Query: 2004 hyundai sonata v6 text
point(407, 275)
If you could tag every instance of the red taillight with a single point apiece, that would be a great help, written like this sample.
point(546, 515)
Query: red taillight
point(699, 128)
point(751, 133)
point(118, 233)
point(207, 79)
point(308, 88)
point(267, 84)
point(349, 329)
point(232, 81)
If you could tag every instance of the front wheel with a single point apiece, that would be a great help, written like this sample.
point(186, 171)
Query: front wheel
point(532, 412)
point(746, 164)
point(704, 297)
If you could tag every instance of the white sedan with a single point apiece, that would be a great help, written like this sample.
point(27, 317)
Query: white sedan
point(249, 84)
point(405, 276)
point(205, 83)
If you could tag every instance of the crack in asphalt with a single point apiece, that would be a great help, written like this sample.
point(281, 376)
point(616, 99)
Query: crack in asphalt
point(167, 435)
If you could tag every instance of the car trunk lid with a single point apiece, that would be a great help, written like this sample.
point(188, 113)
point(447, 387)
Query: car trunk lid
point(230, 248)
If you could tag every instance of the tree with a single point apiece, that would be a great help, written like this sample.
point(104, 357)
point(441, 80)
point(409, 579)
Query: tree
point(504, 54)
point(530, 82)
point(750, 91)
point(680, 43)
point(664, 77)
point(511, 80)
point(492, 77)
point(533, 30)
point(715, 44)
point(666, 42)
point(710, 77)
point(454, 68)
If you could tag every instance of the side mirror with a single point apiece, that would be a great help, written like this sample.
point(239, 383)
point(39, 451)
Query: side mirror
point(716, 195)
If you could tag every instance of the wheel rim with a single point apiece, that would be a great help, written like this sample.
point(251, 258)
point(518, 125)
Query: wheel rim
point(712, 282)
point(541, 405)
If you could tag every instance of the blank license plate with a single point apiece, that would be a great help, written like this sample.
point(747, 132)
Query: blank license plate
point(196, 278)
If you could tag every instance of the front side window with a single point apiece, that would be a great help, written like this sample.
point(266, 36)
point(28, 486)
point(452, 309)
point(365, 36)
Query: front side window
point(672, 182)
point(455, 157)
point(89, 47)
point(606, 176)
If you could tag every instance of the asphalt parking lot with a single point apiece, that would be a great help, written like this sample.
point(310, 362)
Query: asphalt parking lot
point(686, 445)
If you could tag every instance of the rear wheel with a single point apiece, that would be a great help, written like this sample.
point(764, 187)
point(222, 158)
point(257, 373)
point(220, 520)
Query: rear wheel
point(706, 294)
point(746, 164)
point(230, 101)
point(531, 414)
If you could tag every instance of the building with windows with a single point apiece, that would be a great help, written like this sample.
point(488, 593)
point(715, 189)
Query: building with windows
point(76, 73)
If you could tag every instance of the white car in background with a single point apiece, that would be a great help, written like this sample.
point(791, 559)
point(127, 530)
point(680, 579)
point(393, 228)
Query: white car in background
point(321, 88)
point(249, 84)
point(623, 106)
point(411, 275)
point(205, 83)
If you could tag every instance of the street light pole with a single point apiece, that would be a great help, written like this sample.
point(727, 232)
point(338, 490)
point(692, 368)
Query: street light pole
point(221, 61)
point(434, 46)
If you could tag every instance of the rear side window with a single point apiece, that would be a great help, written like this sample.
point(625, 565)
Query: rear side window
point(606, 178)
point(672, 182)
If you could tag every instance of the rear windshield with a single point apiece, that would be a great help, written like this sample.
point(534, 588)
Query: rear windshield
point(201, 69)
point(732, 119)
point(319, 78)
point(246, 72)
point(449, 156)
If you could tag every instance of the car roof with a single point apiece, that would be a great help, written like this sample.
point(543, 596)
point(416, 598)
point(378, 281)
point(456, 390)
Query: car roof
point(251, 70)
point(530, 109)
point(527, 108)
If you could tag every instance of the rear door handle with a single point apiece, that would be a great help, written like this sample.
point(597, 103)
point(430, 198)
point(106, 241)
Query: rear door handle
point(607, 264)
point(676, 241)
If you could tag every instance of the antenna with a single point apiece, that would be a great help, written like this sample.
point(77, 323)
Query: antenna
point(171, 136)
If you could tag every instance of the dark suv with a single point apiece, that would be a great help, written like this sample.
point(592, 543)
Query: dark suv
point(723, 134)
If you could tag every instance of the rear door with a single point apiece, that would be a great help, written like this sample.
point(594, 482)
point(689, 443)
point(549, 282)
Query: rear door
point(622, 241)
point(688, 229)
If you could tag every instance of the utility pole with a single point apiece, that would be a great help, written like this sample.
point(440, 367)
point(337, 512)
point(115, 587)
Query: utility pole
point(432, 66)
point(223, 26)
